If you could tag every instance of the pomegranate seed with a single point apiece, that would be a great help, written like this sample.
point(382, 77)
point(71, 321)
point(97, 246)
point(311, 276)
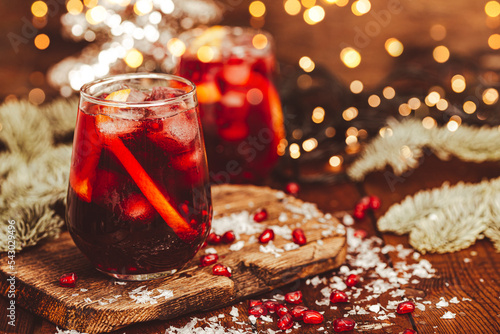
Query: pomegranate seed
point(405, 307)
point(285, 322)
point(374, 202)
point(282, 310)
point(221, 270)
point(228, 237)
point(68, 280)
point(343, 324)
point(292, 188)
point(352, 280)
point(266, 236)
point(338, 297)
point(360, 234)
point(358, 213)
point(271, 305)
point(297, 312)
point(313, 317)
point(410, 331)
point(299, 237)
point(214, 239)
point(209, 259)
point(260, 215)
point(254, 302)
point(294, 297)
point(364, 203)
point(257, 310)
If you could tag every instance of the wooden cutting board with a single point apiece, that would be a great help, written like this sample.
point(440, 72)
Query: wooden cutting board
point(101, 304)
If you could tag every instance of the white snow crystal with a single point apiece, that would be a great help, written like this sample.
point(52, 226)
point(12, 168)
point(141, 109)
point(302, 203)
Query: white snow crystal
point(237, 246)
point(210, 251)
point(448, 315)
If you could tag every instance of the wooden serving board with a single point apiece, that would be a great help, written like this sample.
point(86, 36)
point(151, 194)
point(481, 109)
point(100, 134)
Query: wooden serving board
point(101, 304)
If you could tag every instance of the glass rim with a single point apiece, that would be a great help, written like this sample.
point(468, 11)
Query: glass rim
point(85, 94)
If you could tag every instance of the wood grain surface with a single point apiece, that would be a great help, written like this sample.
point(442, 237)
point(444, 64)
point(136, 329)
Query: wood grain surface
point(194, 288)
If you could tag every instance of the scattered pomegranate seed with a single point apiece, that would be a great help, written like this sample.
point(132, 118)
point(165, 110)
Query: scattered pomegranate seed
point(360, 234)
point(352, 280)
point(297, 312)
point(266, 236)
point(405, 307)
point(285, 322)
point(299, 237)
point(292, 188)
point(228, 237)
point(410, 331)
point(257, 310)
point(209, 259)
point(271, 305)
point(364, 203)
point(375, 202)
point(343, 324)
point(339, 297)
point(358, 213)
point(282, 310)
point(294, 297)
point(254, 302)
point(313, 317)
point(221, 270)
point(214, 239)
point(260, 215)
point(68, 280)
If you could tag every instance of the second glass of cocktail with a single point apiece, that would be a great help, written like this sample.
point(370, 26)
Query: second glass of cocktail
point(139, 203)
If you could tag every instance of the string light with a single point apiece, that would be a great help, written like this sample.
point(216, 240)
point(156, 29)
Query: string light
point(438, 32)
point(494, 41)
point(318, 115)
point(306, 64)
point(492, 8)
point(314, 15)
point(490, 96)
point(394, 47)
point(292, 7)
point(39, 9)
point(259, 41)
point(133, 58)
point(335, 161)
point(350, 57)
point(458, 83)
point(374, 101)
point(257, 9)
point(356, 86)
point(350, 113)
point(42, 41)
point(469, 107)
point(441, 54)
point(389, 93)
point(428, 122)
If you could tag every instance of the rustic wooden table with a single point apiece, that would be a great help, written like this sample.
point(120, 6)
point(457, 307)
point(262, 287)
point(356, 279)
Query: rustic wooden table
point(471, 275)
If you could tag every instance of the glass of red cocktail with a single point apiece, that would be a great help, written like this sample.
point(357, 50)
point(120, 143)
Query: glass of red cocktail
point(240, 108)
point(139, 202)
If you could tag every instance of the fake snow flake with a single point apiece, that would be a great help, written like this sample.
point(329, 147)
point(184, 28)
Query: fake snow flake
point(442, 303)
point(348, 220)
point(119, 283)
point(271, 248)
point(290, 246)
point(454, 300)
point(234, 312)
point(448, 315)
point(283, 217)
point(84, 290)
point(68, 331)
point(210, 251)
point(237, 246)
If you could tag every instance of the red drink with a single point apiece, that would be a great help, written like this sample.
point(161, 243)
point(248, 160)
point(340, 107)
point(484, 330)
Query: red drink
point(139, 203)
point(239, 105)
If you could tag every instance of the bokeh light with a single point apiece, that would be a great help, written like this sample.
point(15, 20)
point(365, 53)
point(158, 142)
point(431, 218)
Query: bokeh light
point(490, 96)
point(394, 47)
point(205, 54)
point(374, 101)
point(306, 64)
point(257, 9)
point(438, 32)
point(428, 122)
point(134, 58)
point(335, 161)
point(404, 109)
point(314, 15)
point(176, 47)
point(361, 7)
point(259, 41)
point(389, 92)
point(74, 7)
point(308, 3)
point(458, 83)
point(143, 7)
point(494, 41)
point(492, 8)
point(441, 54)
point(469, 107)
point(310, 144)
point(36, 96)
point(39, 9)
point(356, 86)
point(292, 7)
point(350, 113)
point(318, 115)
point(350, 57)
point(42, 41)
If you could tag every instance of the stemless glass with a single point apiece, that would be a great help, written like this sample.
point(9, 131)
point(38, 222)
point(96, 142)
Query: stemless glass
point(240, 108)
point(139, 202)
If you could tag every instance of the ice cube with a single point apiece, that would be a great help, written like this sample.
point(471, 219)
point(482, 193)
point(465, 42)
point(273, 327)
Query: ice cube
point(136, 207)
point(116, 126)
point(166, 93)
point(176, 133)
point(136, 96)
